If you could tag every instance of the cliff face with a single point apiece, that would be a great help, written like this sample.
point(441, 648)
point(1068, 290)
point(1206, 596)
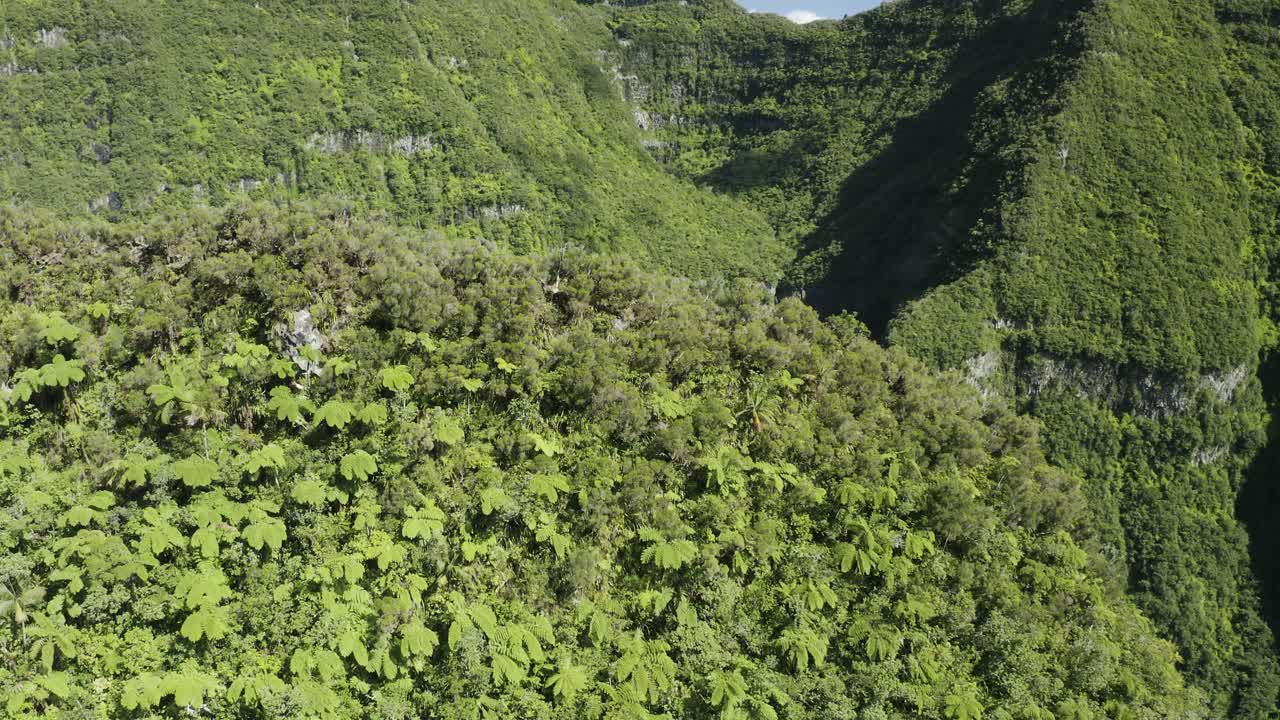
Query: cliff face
point(476, 118)
point(1069, 202)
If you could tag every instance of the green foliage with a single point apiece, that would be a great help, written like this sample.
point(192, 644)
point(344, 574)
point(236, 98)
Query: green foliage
point(1073, 203)
point(556, 541)
point(425, 522)
point(287, 406)
point(666, 554)
point(448, 430)
point(270, 455)
point(962, 704)
point(336, 414)
point(548, 446)
point(567, 682)
point(358, 465)
point(310, 492)
point(397, 378)
point(501, 121)
point(188, 688)
point(16, 605)
point(61, 372)
point(196, 471)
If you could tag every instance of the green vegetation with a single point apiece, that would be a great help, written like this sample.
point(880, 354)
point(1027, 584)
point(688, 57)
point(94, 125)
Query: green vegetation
point(1132, 259)
point(482, 118)
point(1077, 205)
point(874, 144)
point(264, 463)
point(422, 360)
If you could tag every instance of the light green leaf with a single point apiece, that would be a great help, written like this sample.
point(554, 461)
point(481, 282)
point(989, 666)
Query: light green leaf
point(493, 498)
point(61, 372)
point(335, 413)
point(267, 456)
point(206, 539)
point(424, 523)
point(287, 406)
point(358, 465)
point(547, 446)
point(375, 414)
point(548, 485)
point(417, 639)
point(143, 691)
point(56, 683)
point(309, 492)
point(196, 471)
point(189, 687)
point(267, 531)
point(396, 379)
point(55, 329)
point(567, 682)
point(206, 622)
point(447, 430)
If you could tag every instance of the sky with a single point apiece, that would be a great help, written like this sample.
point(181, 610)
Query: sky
point(809, 10)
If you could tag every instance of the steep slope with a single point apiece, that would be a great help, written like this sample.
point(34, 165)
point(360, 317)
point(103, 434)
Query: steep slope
point(321, 469)
point(1068, 188)
point(1120, 306)
point(480, 118)
point(1074, 204)
point(875, 144)
point(1252, 78)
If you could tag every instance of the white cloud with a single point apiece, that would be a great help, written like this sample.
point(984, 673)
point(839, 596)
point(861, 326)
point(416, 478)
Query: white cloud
point(801, 17)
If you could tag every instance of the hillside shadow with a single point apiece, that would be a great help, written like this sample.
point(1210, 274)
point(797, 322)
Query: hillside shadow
point(1260, 497)
point(902, 221)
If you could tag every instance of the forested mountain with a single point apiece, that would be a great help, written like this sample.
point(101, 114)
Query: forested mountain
point(482, 117)
point(392, 359)
point(1074, 204)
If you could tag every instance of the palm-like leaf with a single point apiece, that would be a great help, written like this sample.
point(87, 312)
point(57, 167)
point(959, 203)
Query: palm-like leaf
point(18, 605)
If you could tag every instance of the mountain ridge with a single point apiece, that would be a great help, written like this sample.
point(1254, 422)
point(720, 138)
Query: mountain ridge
point(1070, 206)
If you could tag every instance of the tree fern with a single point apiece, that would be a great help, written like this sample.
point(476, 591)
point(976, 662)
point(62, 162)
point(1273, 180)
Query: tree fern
point(962, 703)
point(358, 465)
point(447, 429)
point(337, 414)
point(255, 689)
point(425, 522)
point(55, 329)
point(264, 530)
point(397, 379)
point(287, 406)
point(270, 455)
point(61, 372)
point(417, 640)
point(548, 485)
point(207, 622)
point(51, 637)
point(196, 472)
point(548, 446)
point(16, 605)
point(567, 681)
point(666, 554)
point(803, 646)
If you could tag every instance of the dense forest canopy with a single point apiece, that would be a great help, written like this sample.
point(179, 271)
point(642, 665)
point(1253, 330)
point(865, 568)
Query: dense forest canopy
point(268, 463)
point(387, 359)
